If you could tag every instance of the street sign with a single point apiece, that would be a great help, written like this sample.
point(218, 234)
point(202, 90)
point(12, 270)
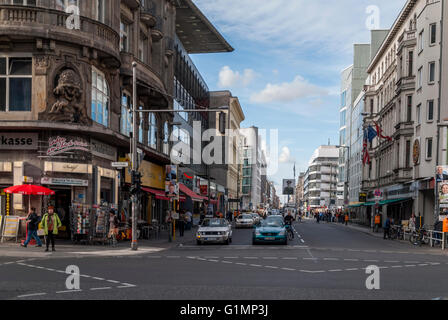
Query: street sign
point(120, 164)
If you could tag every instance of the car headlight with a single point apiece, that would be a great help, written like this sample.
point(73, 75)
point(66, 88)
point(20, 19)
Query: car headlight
point(257, 233)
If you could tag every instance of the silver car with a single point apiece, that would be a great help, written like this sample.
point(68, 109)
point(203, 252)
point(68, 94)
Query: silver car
point(245, 220)
point(214, 230)
point(256, 217)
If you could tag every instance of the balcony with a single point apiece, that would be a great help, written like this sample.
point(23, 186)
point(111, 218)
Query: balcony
point(405, 83)
point(402, 175)
point(148, 13)
point(157, 30)
point(24, 22)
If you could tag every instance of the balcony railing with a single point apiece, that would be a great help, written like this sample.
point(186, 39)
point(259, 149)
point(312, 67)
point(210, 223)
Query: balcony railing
point(157, 30)
point(148, 13)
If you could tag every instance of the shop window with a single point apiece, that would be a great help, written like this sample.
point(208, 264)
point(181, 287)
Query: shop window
point(100, 98)
point(15, 84)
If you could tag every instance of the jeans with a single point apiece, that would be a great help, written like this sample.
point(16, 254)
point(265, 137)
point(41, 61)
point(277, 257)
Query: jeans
point(49, 238)
point(32, 234)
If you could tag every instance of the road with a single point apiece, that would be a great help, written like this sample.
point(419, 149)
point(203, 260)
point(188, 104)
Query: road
point(325, 261)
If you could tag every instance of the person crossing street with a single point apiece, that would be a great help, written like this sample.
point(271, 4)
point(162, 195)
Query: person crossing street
point(33, 225)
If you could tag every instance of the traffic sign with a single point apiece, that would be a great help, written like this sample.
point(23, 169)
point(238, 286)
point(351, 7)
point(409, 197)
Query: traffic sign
point(120, 164)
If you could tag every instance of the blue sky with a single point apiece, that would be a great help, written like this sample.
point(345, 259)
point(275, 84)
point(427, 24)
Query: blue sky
point(286, 65)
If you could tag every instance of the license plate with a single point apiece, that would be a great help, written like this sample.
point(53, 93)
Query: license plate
point(269, 238)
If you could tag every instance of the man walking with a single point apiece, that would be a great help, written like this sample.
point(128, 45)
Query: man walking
point(50, 224)
point(33, 225)
point(181, 223)
point(387, 228)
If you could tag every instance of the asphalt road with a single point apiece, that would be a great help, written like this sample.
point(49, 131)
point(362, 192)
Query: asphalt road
point(325, 261)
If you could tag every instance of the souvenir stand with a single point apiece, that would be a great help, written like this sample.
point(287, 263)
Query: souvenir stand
point(80, 219)
point(100, 224)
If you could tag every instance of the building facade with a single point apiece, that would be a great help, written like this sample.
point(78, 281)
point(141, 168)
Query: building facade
point(321, 178)
point(402, 97)
point(67, 91)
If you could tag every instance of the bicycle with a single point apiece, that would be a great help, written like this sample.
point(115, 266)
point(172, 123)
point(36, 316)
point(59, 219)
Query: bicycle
point(396, 232)
point(290, 232)
point(419, 237)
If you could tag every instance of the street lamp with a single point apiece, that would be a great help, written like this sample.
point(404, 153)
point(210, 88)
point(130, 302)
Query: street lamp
point(133, 143)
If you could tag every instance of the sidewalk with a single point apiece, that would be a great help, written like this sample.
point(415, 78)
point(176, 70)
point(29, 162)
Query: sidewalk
point(380, 234)
point(66, 248)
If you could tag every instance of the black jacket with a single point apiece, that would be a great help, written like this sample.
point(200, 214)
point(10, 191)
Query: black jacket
point(34, 220)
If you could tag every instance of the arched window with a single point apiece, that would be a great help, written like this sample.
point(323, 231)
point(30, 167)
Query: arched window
point(152, 130)
point(100, 98)
point(166, 138)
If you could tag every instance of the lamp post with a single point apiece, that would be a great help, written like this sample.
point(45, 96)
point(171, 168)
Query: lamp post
point(346, 182)
point(133, 143)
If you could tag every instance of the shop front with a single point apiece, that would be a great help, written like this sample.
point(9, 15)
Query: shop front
point(154, 203)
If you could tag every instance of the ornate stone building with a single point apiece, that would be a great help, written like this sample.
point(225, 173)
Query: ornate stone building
point(66, 90)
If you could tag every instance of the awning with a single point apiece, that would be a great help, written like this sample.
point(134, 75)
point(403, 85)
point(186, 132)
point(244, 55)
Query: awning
point(394, 200)
point(193, 195)
point(158, 193)
point(368, 204)
point(357, 205)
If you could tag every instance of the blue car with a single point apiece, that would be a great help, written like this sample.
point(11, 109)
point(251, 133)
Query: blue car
point(270, 231)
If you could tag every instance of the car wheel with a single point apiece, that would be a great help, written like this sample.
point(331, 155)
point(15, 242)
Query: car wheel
point(227, 242)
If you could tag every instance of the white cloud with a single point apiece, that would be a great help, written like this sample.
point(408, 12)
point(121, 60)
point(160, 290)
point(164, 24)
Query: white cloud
point(230, 79)
point(285, 156)
point(288, 91)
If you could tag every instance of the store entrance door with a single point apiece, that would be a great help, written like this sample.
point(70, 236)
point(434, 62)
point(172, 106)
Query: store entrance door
point(61, 202)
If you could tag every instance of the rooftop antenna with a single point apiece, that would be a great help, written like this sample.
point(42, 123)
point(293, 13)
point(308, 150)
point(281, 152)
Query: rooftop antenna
point(328, 141)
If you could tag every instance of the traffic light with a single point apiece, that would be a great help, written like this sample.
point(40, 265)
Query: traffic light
point(136, 183)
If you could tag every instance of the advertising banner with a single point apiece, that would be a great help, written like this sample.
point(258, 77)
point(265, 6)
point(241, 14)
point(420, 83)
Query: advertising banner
point(171, 185)
point(288, 186)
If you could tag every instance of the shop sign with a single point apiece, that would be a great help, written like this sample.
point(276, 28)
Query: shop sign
point(60, 145)
point(18, 141)
point(103, 150)
point(65, 182)
point(204, 190)
point(363, 197)
point(153, 176)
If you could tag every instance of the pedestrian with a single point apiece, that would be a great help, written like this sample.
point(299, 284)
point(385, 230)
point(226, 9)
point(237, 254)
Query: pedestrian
point(411, 224)
point(181, 223)
point(188, 220)
point(387, 228)
point(50, 224)
point(33, 225)
point(377, 222)
point(113, 227)
point(346, 219)
point(169, 223)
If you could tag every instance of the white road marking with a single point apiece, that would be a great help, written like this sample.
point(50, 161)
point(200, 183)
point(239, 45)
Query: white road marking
point(113, 281)
point(97, 278)
point(351, 269)
point(103, 288)
point(331, 259)
point(68, 291)
point(255, 265)
point(228, 262)
point(289, 258)
point(351, 259)
point(288, 269)
point(391, 261)
point(397, 267)
point(32, 295)
point(335, 270)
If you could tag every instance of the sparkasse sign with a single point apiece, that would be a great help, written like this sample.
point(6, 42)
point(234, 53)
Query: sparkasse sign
point(18, 141)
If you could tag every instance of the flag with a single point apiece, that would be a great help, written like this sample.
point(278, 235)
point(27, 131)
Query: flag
point(365, 151)
point(380, 132)
point(371, 134)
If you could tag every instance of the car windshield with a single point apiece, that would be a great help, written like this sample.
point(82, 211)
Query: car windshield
point(245, 216)
point(214, 223)
point(276, 223)
point(275, 218)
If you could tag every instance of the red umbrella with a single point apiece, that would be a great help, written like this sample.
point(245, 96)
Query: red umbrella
point(29, 189)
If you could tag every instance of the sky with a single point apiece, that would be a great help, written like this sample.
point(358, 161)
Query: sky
point(286, 66)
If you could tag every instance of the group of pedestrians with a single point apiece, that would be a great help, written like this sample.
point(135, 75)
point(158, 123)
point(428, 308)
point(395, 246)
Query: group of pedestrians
point(50, 224)
point(329, 216)
point(182, 223)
